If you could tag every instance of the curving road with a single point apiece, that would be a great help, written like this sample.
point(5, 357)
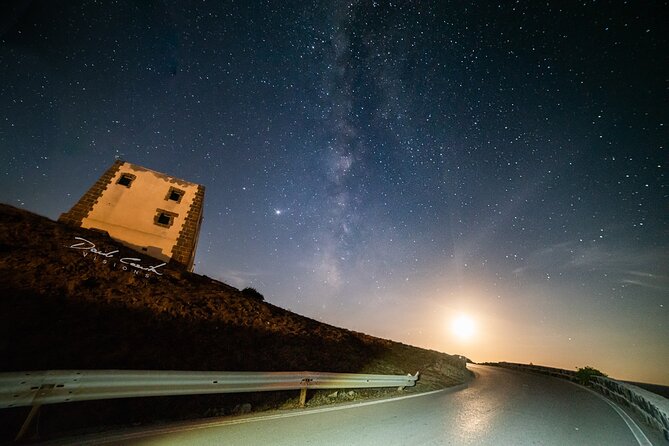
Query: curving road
point(499, 407)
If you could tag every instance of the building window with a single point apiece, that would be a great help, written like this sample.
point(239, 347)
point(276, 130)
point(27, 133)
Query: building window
point(164, 218)
point(175, 194)
point(126, 179)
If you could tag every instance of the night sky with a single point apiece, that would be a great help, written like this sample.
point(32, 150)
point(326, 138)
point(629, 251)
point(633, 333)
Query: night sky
point(379, 166)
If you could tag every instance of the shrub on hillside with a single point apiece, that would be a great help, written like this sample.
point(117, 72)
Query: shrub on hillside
point(585, 374)
point(252, 293)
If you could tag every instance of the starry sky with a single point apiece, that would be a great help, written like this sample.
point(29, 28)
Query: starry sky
point(383, 166)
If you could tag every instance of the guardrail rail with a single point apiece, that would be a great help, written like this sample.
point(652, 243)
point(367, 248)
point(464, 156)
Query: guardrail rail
point(20, 389)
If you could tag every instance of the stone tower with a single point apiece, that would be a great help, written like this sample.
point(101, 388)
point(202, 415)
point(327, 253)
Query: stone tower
point(145, 210)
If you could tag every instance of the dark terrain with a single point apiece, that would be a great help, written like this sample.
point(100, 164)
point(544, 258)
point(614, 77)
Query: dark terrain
point(60, 309)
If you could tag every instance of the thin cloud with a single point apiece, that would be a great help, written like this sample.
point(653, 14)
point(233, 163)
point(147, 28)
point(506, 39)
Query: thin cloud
point(570, 257)
point(645, 284)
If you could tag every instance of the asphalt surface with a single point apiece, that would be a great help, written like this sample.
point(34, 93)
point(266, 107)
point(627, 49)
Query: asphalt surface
point(499, 407)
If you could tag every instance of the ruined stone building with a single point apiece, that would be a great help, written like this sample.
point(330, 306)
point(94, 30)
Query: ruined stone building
point(145, 210)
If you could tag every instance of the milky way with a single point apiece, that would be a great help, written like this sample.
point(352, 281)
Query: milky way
point(382, 166)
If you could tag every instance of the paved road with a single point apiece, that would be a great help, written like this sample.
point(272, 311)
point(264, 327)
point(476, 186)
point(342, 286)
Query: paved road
point(499, 407)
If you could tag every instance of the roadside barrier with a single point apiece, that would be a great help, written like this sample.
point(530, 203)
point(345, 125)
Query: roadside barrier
point(35, 389)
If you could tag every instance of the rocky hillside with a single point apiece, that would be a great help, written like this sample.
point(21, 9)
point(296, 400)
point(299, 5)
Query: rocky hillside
point(69, 302)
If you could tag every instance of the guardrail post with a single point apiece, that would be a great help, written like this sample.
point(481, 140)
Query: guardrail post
point(303, 391)
point(28, 423)
point(303, 396)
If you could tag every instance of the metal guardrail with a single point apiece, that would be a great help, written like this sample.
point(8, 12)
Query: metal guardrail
point(20, 389)
point(61, 386)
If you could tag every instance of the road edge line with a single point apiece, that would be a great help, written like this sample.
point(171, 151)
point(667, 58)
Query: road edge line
point(639, 435)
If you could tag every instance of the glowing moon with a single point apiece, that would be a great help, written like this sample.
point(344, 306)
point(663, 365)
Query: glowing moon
point(463, 327)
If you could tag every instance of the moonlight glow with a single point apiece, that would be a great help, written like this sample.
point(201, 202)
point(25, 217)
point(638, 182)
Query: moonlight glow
point(463, 327)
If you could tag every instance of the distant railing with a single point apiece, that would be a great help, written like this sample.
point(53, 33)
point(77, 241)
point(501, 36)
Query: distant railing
point(551, 371)
point(61, 386)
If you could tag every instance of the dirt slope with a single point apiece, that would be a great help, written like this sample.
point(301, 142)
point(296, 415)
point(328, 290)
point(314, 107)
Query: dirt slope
point(66, 306)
